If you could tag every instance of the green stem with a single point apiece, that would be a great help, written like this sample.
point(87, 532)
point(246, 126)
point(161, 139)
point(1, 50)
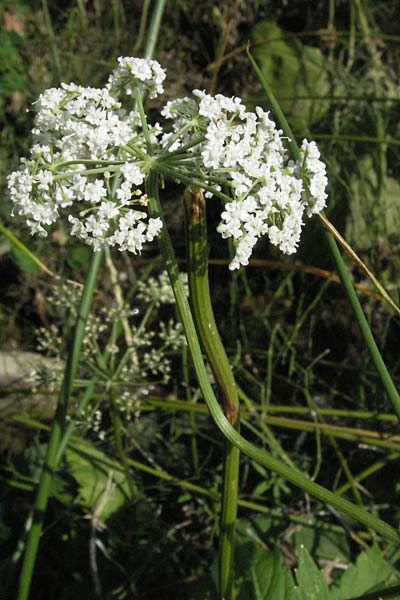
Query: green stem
point(257, 454)
point(21, 246)
point(142, 114)
point(117, 427)
point(142, 27)
point(86, 172)
point(191, 415)
point(52, 39)
point(203, 315)
point(364, 326)
point(46, 478)
point(380, 464)
point(86, 161)
point(88, 393)
point(165, 169)
point(154, 28)
point(68, 430)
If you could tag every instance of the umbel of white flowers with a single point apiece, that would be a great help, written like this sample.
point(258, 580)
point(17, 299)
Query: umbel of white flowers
point(88, 163)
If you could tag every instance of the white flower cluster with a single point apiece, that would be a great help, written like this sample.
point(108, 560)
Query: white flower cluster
point(79, 162)
point(90, 157)
point(247, 152)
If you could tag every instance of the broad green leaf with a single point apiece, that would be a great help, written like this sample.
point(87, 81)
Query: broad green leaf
point(310, 580)
point(93, 472)
point(370, 573)
point(296, 73)
point(323, 543)
point(374, 206)
point(261, 574)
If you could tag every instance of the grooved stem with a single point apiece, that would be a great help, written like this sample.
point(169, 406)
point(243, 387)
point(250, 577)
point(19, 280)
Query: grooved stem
point(203, 315)
point(257, 454)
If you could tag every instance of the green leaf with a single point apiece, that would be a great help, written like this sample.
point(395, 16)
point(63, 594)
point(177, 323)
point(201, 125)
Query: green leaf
point(370, 573)
point(94, 472)
point(374, 206)
point(24, 261)
point(310, 580)
point(323, 543)
point(261, 575)
point(296, 73)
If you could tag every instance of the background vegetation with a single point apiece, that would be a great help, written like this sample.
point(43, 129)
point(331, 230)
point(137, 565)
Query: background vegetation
point(308, 388)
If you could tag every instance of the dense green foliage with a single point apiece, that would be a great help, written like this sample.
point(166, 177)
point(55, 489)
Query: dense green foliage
point(308, 388)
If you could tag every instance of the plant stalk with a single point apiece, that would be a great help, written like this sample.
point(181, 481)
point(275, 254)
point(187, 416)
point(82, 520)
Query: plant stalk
point(46, 477)
point(203, 315)
point(376, 356)
point(257, 454)
point(154, 28)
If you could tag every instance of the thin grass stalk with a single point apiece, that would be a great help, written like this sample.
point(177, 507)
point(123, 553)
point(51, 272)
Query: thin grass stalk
point(276, 514)
point(364, 326)
point(377, 466)
point(257, 454)
point(363, 139)
point(341, 267)
point(367, 437)
point(52, 39)
point(192, 417)
point(184, 484)
point(342, 458)
point(142, 26)
point(203, 314)
point(154, 28)
point(46, 478)
point(21, 246)
point(119, 444)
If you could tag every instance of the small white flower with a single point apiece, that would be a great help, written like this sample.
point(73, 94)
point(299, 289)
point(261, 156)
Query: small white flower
point(124, 192)
point(132, 71)
point(153, 229)
point(95, 191)
point(107, 210)
point(132, 174)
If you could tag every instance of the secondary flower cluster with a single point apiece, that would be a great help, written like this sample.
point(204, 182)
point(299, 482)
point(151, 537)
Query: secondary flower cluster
point(138, 362)
point(246, 152)
point(90, 158)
